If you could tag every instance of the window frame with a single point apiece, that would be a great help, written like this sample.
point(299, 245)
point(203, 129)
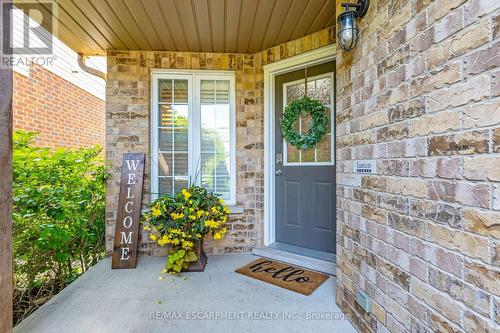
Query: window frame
point(194, 78)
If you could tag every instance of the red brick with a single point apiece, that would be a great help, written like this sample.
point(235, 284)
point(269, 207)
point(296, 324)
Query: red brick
point(63, 114)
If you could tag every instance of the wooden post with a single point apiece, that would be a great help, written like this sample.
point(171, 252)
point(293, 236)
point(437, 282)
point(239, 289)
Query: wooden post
point(5, 192)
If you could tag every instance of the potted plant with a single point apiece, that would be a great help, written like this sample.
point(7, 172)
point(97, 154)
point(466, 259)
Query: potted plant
point(182, 221)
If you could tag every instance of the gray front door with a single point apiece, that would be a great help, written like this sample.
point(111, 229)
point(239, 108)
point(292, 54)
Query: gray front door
point(305, 180)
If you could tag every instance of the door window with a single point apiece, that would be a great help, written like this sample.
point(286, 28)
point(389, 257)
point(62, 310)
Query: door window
point(320, 88)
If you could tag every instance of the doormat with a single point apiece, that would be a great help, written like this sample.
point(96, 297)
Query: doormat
point(283, 275)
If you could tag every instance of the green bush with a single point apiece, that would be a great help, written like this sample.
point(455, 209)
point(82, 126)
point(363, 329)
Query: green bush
point(58, 230)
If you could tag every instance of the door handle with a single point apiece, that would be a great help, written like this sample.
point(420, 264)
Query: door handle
point(277, 172)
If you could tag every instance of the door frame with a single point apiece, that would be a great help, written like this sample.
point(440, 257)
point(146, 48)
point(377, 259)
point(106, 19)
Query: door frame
point(310, 58)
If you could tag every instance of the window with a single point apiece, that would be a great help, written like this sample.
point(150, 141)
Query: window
point(321, 88)
point(193, 132)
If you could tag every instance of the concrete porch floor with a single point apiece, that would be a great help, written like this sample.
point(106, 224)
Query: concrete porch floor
point(105, 300)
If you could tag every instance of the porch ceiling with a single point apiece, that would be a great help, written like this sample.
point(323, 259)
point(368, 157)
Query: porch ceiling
point(244, 26)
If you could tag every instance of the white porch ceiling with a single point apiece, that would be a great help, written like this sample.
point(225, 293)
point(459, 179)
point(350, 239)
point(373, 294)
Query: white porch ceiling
point(245, 26)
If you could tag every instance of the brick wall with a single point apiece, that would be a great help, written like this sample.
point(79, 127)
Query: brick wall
point(128, 128)
point(63, 114)
point(420, 94)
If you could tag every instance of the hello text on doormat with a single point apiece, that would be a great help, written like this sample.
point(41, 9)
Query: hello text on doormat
point(293, 278)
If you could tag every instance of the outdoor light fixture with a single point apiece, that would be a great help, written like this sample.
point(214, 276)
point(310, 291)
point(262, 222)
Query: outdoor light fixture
point(348, 31)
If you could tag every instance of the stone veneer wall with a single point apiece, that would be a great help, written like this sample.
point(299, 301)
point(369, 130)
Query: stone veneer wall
point(128, 128)
point(420, 95)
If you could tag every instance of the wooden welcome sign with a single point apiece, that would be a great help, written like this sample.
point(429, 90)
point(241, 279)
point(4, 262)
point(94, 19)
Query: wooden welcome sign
point(129, 212)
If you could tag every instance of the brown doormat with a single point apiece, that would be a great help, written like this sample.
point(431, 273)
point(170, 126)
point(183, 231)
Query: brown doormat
point(283, 275)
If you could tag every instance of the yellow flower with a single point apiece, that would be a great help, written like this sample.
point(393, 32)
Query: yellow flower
point(147, 228)
point(177, 216)
point(164, 240)
point(152, 236)
point(186, 194)
point(215, 209)
point(221, 201)
point(192, 217)
point(176, 241)
point(227, 210)
point(187, 245)
point(217, 236)
point(155, 212)
point(211, 224)
point(200, 213)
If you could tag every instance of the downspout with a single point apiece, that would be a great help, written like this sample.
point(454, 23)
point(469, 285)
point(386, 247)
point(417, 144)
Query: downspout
point(81, 62)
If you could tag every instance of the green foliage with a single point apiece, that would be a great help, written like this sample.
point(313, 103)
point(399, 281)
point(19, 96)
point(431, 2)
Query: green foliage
point(179, 259)
point(58, 230)
point(319, 126)
point(182, 221)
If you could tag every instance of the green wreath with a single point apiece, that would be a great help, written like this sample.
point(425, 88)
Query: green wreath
point(318, 128)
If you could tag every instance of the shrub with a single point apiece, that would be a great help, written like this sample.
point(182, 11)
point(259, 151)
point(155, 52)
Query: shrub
point(58, 213)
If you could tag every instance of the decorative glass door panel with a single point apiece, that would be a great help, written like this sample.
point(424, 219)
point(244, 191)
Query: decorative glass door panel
point(320, 88)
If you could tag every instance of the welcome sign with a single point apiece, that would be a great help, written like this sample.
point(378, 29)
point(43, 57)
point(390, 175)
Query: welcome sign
point(129, 211)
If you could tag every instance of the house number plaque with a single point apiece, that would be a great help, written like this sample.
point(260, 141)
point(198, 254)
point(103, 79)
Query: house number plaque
point(129, 211)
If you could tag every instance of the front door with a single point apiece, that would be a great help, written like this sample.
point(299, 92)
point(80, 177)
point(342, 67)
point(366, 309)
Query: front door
point(305, 179)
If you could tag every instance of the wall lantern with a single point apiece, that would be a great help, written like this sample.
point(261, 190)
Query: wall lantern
point(348, 31)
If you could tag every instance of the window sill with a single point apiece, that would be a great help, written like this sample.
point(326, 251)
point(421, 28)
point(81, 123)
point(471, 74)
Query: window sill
point(236, 210)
